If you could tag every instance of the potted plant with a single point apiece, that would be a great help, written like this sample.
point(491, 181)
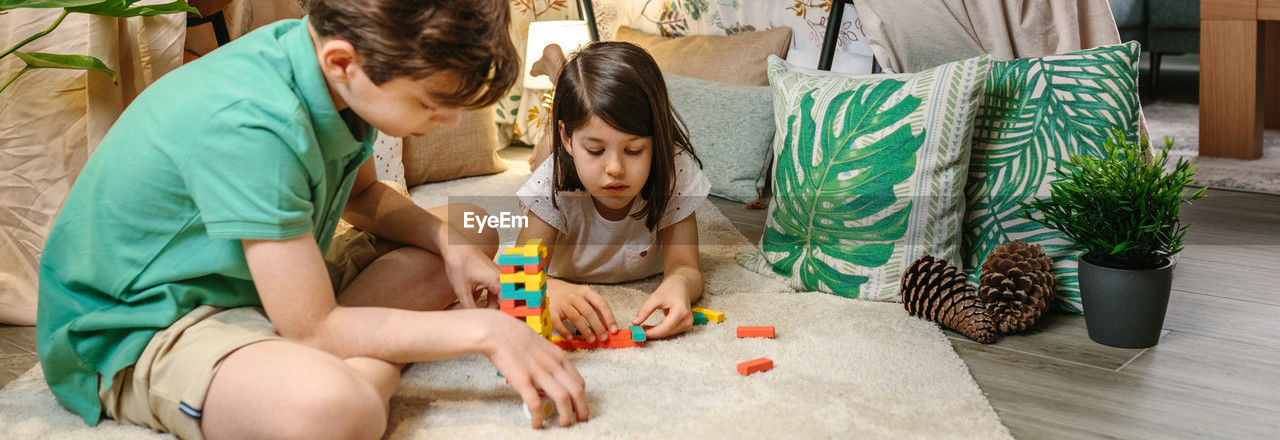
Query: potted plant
point(1122, 211)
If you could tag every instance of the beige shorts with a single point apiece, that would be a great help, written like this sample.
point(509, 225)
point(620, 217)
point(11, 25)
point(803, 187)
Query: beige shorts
point(165, 389)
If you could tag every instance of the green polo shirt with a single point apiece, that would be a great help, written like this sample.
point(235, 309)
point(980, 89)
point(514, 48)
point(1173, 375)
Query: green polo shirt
point(244, 143)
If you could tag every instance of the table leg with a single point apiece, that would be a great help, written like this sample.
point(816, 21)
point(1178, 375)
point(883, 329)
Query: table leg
point(1230, 89)
point(1271, 80)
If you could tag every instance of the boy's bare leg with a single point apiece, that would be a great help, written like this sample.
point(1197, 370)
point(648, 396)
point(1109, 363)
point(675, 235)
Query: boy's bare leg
point(284, 389)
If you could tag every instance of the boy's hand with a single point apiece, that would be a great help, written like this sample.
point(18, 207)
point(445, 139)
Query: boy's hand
point(531, 363)
point(582, 306)
point(672, 298)
point(470, 272)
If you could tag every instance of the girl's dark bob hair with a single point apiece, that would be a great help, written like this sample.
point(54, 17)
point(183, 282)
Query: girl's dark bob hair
point(622, 85)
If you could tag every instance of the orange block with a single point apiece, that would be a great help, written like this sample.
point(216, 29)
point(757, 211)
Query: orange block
point(618, 339)
point(507, 269)
point(755, 332)
point(755, 366)
point(520, 311)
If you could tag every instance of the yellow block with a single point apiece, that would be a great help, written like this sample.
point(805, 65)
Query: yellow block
point(711, 315)
point(531, 282)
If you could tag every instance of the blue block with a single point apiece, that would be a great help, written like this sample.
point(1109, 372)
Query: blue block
point(531, 298)
point(516, 260)
point(637, 333)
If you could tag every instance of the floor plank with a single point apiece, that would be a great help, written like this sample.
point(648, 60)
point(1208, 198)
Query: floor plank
point(1223, 318)
point(1248, 372)
point(23, 337)
point(14, 365)
point(1097, 401)
point(1226, 280)
point(1065, 337)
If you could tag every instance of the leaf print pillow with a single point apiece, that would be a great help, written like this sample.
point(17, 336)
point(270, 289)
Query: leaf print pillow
point(1034, 113)
point(868, 175)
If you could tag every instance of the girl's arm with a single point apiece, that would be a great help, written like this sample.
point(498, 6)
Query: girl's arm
point(682, 281)
point(581, 305)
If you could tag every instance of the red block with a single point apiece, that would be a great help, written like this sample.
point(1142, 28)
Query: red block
point(531, 268)
point(755, 366)
point(755, 332)
point(519, 311)
point(618, 339)
point(507, 269)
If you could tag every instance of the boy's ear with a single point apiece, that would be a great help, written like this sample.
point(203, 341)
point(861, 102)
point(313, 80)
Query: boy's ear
point(564, 137)
point(337, 58)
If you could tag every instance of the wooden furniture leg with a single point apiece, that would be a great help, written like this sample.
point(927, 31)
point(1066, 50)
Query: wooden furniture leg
point(1231, 89)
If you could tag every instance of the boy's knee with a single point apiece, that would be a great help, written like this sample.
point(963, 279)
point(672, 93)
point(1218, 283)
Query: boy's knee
point(344, 407)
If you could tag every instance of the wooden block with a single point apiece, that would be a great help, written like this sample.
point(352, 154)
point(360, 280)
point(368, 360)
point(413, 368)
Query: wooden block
point(522, 311)
point(506, 269)
point(711, 315)
point(517, 260)
point(755, 366)
point(637, 333)
point(533, 268)
point(508, 304)
point(755, 332)
point(699, 318)
point(530, 281)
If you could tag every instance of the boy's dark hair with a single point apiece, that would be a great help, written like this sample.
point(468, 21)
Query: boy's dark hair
point(419, 38)
point(620, 84)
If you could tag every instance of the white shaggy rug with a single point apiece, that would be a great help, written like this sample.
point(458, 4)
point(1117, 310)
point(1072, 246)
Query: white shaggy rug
point(842, 369)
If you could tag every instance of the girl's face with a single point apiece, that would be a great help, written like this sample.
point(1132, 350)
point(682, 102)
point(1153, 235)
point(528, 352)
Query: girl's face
point(613, 166)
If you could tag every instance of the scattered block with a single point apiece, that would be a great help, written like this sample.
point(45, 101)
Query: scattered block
point(711, 315)
point(547, 409)
point(755, 366)
point(637, 333)
point(619, 339)
point(755, 332)
point(699, 319)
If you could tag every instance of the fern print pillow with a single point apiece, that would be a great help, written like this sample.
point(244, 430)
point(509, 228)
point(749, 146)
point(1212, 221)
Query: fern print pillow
point(1034, 113)
point(868, 175)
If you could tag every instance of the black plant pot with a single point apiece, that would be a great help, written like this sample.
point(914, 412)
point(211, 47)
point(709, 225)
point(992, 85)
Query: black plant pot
point(1122, 307)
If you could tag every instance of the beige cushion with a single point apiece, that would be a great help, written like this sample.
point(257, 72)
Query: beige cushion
point(735, 59)
point(916, 36)
point(468, 149)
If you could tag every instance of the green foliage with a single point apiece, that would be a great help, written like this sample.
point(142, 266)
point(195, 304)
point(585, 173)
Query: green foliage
point(827, 195)
point(1122, 210)
point(110, 8)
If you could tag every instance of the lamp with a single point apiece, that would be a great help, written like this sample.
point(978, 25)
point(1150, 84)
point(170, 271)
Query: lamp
point(569, 34)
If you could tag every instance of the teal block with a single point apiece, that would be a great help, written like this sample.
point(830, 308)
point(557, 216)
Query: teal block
point(531, 298)
point(699, 319)
point(516, 260)
point(637, 333)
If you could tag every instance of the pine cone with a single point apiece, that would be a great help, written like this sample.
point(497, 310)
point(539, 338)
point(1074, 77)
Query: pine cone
point(1016, 285)
point(939, 292)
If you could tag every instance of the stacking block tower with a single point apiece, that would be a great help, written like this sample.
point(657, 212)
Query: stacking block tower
point(524, 296)
point(524, 285)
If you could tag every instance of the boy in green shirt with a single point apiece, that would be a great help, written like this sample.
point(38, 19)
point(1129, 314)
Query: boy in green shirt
point(184, 286)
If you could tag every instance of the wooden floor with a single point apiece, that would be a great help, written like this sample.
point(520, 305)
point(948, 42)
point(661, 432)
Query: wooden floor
point(1215, 373)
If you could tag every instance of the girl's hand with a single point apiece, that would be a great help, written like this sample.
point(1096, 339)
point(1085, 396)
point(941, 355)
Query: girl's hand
point(672, 297)
point(582, 306)
point(531, 363)
point(470, 272)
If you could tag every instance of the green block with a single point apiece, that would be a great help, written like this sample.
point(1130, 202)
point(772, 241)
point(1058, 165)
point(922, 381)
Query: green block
point(699, 319)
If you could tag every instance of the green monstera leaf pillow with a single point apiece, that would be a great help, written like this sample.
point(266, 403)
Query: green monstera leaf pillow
point(1034, 113)
point(868, 175)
